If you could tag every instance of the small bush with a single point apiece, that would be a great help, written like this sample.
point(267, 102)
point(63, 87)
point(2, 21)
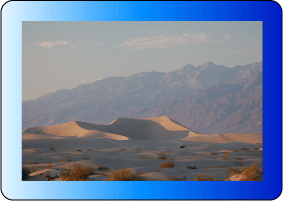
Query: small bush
point(123, 174)
point(201, 177)
point(162, 156)
point(47, 177)
point(207, 168)
point(157, 170)
point(167, 164)
point(89, 149)
point(182, 146)
point(63, 160)
point(49, 165)
point(145, 158)
point(256, 148)
point(224, 158)
point(238, 162)
point(213, 153)
point(236, 150)
point(86, 158)
point(260, 154)
point(138, 150)
point(102, 168)
point(174, 178)
point(25, 173)
point(36, 163)
point(219, 166)
point(233, 171)
point(225, 153)
point(171, 159)
point(30, 162)
point(76, 173)
point(239, 159)
point(52, 148)
point(244, 149)
point(120, 150)
point(79, 150)
point(69, 160)
point(249, 155)
point(252, 173)
point(192, 167)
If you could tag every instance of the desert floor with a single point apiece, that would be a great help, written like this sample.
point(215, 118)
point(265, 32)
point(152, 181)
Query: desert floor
point(139, 155)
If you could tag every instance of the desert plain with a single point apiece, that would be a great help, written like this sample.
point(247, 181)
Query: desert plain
point(139, 145)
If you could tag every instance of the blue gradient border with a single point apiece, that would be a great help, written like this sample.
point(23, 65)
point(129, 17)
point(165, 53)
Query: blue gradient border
point(13, 13)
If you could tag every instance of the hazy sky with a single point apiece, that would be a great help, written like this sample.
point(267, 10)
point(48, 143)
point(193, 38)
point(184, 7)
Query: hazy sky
point(63, 55)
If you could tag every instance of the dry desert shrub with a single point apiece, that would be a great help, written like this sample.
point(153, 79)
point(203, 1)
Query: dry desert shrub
point(207, 168)
point(138, 150)
point(239, 159)
point(49, 165)
point(89, 149)
point(86, 158)
point(157, 170)
point(36, 163)
point(260, 154)
point(102, 168)
point(182, 146)
point(236, 150)
point(224, 158)
point(252, 173)
point(192, 167)
point(225, 153)
point(237, 162)
point(201, 177)
point(79, 150)
point(145, 158)
point(52, 148)
point(171, 159)
point(256, 148)
point(162, 156)
point(219, 166)
point(244, 149)
point(30, 162)
point(120, 150)
point(249, 155)
point(213, 153)
point(233, 171)
point(76, 173)
point(167, 164)
point(47, 177)
point(123, 174)
point(63, 160)
point(174, 178)
point(25, 173)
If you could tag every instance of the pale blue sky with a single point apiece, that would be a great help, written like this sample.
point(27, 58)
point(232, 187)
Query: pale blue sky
point(60, 55)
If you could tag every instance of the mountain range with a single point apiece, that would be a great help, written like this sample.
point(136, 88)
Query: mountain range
point(208, 99)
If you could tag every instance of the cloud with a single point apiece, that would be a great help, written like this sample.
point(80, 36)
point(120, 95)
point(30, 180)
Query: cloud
point(227, 36)
point(52, 44)
point(155, 32)
point(74, 46)
point(97, 43)
point(168, 41)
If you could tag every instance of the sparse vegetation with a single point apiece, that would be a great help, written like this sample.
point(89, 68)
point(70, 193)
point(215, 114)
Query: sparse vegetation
point(237, 162)
point(239, 159)
point(167, 164)
point(213, 153)
point(249, 155)
point(161, 156)
point(192, 167)
point(201, 177)
point(79, 150)
point(236, 150)
point(157, 170)
point(47, 177)
point(233, 171)
point(182, 146)
point(52, 148)
point(30, 162)
point(171, 159)
point(25, 173)
point(182, 171)
point(102, 168)
point(63, 160)
point(123, 174)
point(224, 158)
point(145, 158)
point(207, 167)
point(174, 178)
point(89, 149)
point(120, 150)
point(36, 163)
point(219, 166)
point(244, 149)
point(256, 148)
point(225, 153)
point(49, 165)
point(76, 173)
point(138, 150)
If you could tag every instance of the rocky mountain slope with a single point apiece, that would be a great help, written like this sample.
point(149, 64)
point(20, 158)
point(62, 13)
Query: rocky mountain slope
point(140, 94)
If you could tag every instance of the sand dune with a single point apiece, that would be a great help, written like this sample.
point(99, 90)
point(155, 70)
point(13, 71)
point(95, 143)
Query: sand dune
point(153, 129)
